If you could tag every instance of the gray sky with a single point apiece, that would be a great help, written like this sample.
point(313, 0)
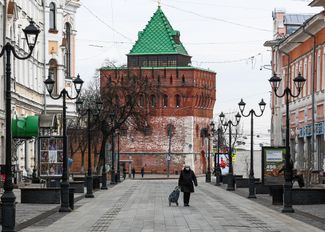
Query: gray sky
point(225, 36)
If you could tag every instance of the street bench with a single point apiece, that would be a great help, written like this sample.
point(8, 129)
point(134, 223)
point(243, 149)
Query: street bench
point(40, 195)
point(225, 178)
point(79, 186)
point(261, 188)
point(45, 196)
point(300, 196)
point(244, 182)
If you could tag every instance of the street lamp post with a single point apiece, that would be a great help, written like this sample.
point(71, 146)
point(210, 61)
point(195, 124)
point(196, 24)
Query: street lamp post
point(299, 82)
point(8, 198)
point(95, 112)
point(208, 173)
point(118, 174)
point(229, 124)
point(216, 159)
point(113, 181)
point(251, 113)
point(49, 83)
point(170, 131)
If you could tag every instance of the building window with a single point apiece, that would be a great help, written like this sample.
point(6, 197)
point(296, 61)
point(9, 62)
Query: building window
point(53, 70)
point(153, 101)
point(68, 50)
point(165, 101)
point(178, 100)
point(52, 16)
point(183, 79)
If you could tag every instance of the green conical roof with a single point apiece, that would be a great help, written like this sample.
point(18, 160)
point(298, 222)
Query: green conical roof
point(158, 37)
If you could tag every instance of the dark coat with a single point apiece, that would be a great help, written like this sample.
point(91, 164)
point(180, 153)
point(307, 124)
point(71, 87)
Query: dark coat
point(186, 180)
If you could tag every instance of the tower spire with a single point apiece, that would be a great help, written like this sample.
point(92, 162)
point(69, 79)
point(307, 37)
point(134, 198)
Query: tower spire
point(159, 1)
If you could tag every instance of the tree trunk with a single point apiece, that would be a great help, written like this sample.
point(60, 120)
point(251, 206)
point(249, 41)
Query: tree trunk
point(102, 152)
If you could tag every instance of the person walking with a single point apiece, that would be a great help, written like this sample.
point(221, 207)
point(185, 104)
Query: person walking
point(133, 172)
point(185, 181)
point(142, 171)
point(124, 172)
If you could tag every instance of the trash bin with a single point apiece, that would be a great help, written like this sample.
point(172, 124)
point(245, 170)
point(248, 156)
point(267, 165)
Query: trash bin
point(71, 198)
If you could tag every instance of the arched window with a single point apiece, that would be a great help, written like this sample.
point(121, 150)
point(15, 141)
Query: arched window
point(165, 100)
point(178, 100)
point(68, 50)
point(53, 69)
point(52, 16)
point(153, 101)
point(171, 79)
point(183, 79)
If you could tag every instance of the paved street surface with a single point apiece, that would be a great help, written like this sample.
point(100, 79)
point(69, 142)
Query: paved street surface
point(142, 205)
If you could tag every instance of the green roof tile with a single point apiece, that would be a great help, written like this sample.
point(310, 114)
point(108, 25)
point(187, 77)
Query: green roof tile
point(158, 38)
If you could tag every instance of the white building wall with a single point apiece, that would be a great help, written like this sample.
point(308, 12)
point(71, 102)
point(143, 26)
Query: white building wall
point(241, 164)
point(28, 75)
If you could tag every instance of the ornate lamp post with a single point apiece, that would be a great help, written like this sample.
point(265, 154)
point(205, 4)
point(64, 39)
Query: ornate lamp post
point(208, 173)
point(299, 82)
point(170, 133)
point(95, 112)
point(216, 158)
point(8, 198)
point(49, 83)
point(227, 125)
point(112, 116)
point(251, 113)
point(118, 174)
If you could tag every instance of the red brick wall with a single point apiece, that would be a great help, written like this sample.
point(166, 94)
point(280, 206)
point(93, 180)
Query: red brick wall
point(198, 94)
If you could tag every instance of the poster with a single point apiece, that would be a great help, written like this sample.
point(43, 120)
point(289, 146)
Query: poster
point(272, 165)
point(51, 156)
point(224, 163)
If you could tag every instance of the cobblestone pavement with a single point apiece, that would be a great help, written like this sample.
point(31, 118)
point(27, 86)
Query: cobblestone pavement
point(27, 214)
point(311, 214)
point(142, 205)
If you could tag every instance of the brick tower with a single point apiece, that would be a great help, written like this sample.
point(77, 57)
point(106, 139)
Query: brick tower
point(180, 115)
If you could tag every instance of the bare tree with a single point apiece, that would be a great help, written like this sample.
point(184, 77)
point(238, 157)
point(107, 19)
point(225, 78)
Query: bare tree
point(125, 96)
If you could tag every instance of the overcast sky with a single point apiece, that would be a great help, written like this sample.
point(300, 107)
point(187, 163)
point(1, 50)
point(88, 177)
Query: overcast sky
point(225, 36)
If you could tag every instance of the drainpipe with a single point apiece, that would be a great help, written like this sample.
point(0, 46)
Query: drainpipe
point(288, 79)
point(44, 53)
point(313, 94)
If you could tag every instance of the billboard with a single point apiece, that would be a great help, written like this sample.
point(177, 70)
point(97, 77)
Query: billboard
point(272, 165)
point(50, 156)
